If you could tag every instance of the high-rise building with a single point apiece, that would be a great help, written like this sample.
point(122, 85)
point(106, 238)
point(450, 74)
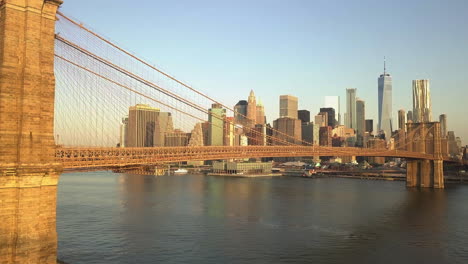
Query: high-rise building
point(422, 107)
point(452, 144)
point(334, 102)
point(331, 121)
point(228, 131)
point(321, 120)
point(240, 112)
point(360, 120)
point(325, 136)
point(252, 109)
point(147, 126)
point(351, 108)
point(288, 106)
point(307, 133)
point(385, 104)
point(369, 125)
point(124, 132)
point(401, 120)
point(287, 129)
point(443, 125)
point(216, 115)
point(304, 115)
point(409, 116)
point(196, 136)
point(261, 119)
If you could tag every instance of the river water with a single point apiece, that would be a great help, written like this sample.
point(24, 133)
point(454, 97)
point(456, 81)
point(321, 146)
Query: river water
point(104, 217)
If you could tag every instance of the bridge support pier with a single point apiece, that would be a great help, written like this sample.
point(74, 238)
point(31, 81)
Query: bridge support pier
point(425, 174)
point(28, 170)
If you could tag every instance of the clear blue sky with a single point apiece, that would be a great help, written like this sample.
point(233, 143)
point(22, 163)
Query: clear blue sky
point(309, 49)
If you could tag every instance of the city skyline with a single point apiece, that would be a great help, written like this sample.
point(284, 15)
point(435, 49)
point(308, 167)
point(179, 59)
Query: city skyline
point(312, 75)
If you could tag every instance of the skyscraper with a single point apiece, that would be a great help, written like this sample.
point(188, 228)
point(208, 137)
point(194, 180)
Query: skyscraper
point(240, 112)
point(216, 118)
point(288, 106)
point(409, 116)
point(385, 103)
point(304, 115)
point(147, 126)
point(422, 109)
point(331, 115)
point(124, 132)
point(287, 129)
point(401, 120)
point(360, 119)
point(252, 109)
point(369, 125)
point(260, 113)
point(351, 108)
point(334, 102)
point(443, 125)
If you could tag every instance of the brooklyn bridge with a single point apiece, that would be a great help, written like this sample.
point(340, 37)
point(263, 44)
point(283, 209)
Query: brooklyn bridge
point(63, 92)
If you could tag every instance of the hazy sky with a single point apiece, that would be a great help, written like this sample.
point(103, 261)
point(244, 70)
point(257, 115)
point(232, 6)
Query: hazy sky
point(309, 48)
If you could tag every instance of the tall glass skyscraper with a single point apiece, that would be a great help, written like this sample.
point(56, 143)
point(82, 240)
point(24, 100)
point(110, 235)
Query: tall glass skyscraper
point(385, 104)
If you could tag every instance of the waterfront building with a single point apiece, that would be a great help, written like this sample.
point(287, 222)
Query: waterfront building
point(422, 107)
point(147, 126)
point(350, 117)
point(401, 120)
point(288, 106)
point(370, 126)
point(334, 102)
point(360, 120)
point(242, 168)
point(385, 104)
point(304, 116)
point(287, 126)
point(331, 121)
point(216, 116)
point(240, 112)
point(443, 125)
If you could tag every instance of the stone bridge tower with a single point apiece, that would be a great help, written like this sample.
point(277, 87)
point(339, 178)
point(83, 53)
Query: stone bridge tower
point(28, 170)
point(426, 139)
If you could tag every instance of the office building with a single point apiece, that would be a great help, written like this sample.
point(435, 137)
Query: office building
point(370, 126)
point(177, 138)
point(228, 131)
point(251, 109)
point(360, 117)
point(304, 116)
point(321, 119)
point(288, 106)
point(240, 112)
point(196, 136)
point(261, 119)
point(385, 104)
point(287, 129)
point(443, 125)
point(307, 133)
point(147, 126)
point(123, 132)
point(350, 117)
point(331, 121)
point(325, 136)
point(216, 116)
point(401, 120)
point(422, 107)
point(334, 102)
point(409, 116)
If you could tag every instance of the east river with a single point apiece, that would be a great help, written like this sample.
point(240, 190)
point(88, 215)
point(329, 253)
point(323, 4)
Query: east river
point(103, 217)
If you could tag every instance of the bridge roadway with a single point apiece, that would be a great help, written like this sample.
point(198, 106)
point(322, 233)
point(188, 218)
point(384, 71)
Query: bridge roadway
point(95, 157)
